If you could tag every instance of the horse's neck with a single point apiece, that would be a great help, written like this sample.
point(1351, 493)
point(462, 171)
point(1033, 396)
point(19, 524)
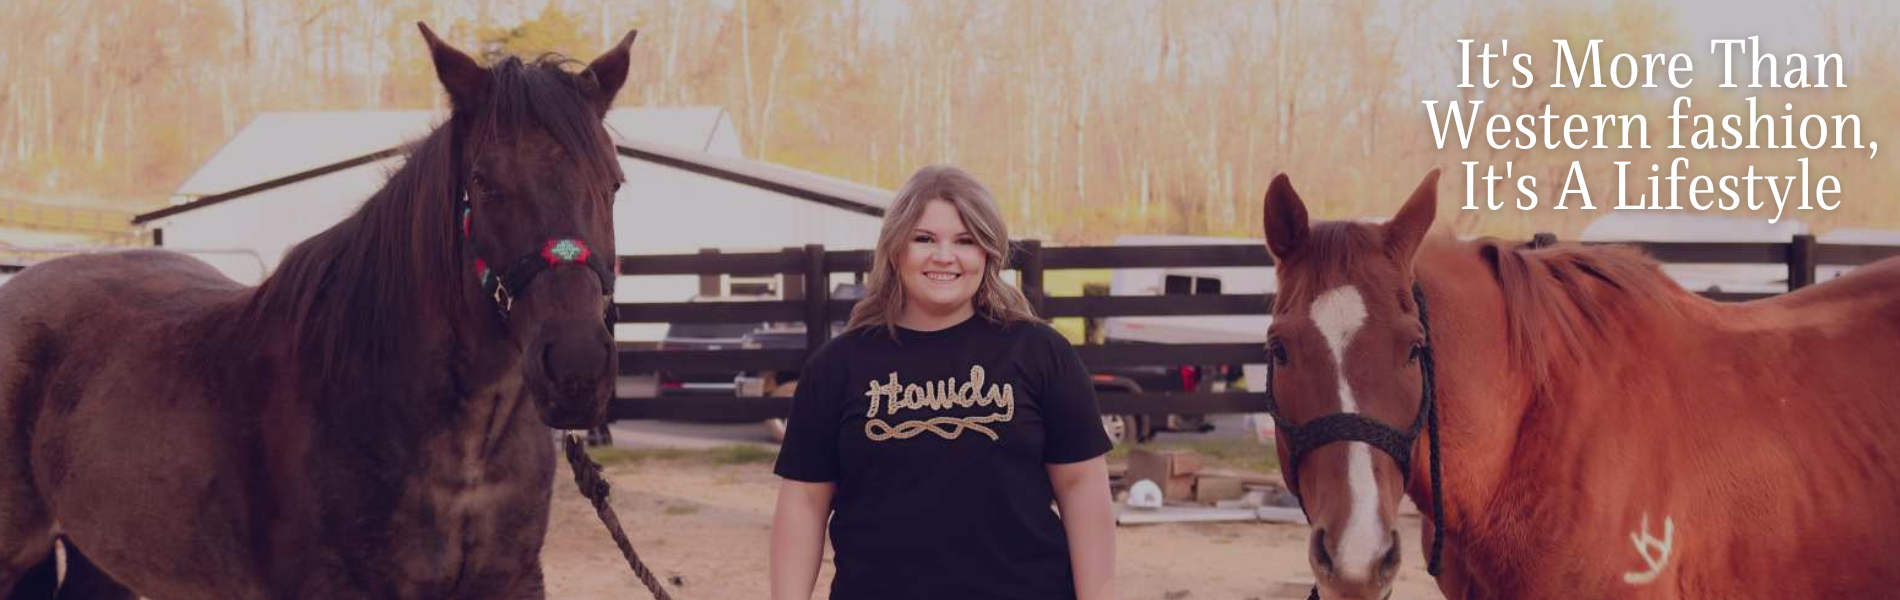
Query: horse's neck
point(433, 367)
point(1503, 441)
point(1483, 405)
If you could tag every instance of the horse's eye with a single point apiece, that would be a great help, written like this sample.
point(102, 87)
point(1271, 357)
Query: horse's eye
point(1277, 350)
point(1418, 351)
point(480, 186)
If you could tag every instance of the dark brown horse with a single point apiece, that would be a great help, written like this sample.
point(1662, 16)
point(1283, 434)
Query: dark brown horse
point(1604, 433)
point(371, 421)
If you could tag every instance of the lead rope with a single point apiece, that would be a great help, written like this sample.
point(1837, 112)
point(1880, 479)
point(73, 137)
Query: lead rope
point(1426, 362)
point(587, 476)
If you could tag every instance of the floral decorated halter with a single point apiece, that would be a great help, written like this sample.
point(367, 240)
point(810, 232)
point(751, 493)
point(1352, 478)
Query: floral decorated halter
point(509, 284)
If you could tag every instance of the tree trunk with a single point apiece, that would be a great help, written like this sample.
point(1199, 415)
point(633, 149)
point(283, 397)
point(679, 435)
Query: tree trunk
point(771, 87)
point(670, 71)
point(99, 128)
point(745, 57)
point(372, 84)
point(128, 126)
point(1082, 144)
point(46, 110)
point(244, 27)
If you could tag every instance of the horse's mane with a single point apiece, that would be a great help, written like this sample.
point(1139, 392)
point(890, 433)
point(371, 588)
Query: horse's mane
point(1567, 304)
point(352, 293)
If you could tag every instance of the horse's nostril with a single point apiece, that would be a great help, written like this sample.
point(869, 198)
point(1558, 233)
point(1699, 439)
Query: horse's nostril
point(1389, 565)
point(1322, 558)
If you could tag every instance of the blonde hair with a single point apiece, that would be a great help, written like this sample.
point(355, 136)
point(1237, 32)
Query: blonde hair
point(995, 300)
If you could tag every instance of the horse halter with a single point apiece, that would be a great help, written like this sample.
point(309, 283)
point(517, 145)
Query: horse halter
point(1353, 427)
point(555, 252)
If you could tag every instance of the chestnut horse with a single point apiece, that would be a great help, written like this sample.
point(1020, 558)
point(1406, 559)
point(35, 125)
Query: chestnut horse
point(371, 421)
point(1604, 433)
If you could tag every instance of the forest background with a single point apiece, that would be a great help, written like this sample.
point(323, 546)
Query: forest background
point(1089, 119)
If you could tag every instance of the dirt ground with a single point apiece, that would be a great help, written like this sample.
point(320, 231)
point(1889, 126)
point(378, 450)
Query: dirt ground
point(703, 522)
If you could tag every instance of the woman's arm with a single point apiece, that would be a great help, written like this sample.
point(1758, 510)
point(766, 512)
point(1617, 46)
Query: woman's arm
point(1088, 516)
point(798, 537)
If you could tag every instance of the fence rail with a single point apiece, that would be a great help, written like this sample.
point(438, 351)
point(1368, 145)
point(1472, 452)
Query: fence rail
point(61, 218)
point(811, 266)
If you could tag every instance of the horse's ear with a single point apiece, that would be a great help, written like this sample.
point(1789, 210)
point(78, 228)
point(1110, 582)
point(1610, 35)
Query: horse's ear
point(1407, 228)
point(610, 70)
point(466, 81)
point(1285, 217)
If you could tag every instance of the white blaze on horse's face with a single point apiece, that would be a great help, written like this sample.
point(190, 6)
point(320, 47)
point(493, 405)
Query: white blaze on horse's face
point(1338, 314)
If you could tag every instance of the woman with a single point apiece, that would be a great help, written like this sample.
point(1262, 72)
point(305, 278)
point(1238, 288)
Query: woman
point(938, 429)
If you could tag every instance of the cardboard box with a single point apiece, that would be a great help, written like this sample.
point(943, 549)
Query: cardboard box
point(1211, 489)
point(1173, 470)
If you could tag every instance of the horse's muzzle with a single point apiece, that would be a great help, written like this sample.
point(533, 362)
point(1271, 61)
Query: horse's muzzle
point(570, 371)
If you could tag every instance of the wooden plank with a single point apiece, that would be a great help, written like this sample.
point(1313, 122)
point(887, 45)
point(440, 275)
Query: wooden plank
point(1130, 306)
point(1139, 257)
point(849, 261)
point(1710, 252)
point(840, 310)
point(760, 311)
point(1281, 514)
point(700, 408)
point(711, 361)
point(1842, 254)
point(817, 298)
point(1181, 403)
point(1801, 263)
point(1135, 257)
point(1736, 296)
point(1125, 355)
point(749, 263)
point(1183, 514)
point(711, 285)
point(1030, 270)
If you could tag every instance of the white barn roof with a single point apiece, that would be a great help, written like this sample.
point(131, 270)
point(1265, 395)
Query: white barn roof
point(277, 144)
point(287, 176)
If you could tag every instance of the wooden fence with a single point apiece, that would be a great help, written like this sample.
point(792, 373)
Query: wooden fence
point(62, 218)
point(809, 268)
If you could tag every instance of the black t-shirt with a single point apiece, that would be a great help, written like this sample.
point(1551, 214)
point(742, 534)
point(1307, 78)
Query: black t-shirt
point(939, 442)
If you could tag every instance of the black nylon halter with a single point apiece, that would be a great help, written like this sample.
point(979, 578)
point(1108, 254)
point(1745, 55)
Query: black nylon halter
point(555, 252)
point(1353, 427)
